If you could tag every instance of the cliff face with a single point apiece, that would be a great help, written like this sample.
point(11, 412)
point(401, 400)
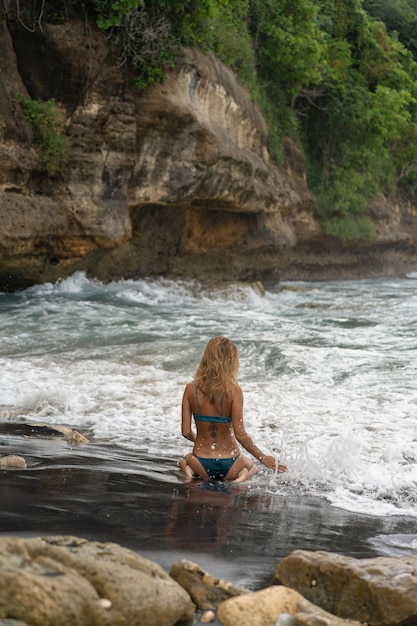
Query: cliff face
point(174, 180)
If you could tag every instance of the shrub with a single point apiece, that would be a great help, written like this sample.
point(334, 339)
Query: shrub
point(46, 122)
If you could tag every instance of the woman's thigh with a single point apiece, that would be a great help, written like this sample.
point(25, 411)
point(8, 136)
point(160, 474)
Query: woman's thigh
point(241, 463)
point(196, 466)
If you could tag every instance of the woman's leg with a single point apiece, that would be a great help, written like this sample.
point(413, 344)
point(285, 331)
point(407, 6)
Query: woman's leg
point(242, 469)
point(185, 467)
point(242, 476)
point(192, 466)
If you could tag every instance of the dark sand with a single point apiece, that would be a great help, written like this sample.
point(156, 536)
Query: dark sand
point(236, 532)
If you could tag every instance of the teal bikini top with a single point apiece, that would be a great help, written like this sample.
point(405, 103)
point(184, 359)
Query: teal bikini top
point(219, 419)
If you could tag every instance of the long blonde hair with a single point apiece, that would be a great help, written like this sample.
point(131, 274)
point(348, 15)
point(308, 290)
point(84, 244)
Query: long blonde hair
point(218, 368)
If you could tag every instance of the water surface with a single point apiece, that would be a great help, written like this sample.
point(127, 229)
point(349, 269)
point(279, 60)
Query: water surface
point(328, 372)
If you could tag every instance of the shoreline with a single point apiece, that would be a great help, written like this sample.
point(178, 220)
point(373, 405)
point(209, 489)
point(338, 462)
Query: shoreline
point(236, 532)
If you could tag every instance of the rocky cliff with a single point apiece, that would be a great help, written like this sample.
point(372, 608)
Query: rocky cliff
point(175, 180)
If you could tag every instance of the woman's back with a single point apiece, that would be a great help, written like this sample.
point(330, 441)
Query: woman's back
point(215, 436)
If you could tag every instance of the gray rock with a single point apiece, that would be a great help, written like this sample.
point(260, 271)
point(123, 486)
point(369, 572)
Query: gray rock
point(381, 591)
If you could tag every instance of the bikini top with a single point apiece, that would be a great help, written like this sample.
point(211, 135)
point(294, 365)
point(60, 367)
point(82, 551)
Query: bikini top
point(219, 419)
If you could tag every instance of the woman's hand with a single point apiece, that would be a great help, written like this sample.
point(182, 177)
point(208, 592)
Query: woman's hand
point(271, 462)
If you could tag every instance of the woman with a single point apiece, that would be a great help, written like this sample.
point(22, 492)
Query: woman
point(216, 401)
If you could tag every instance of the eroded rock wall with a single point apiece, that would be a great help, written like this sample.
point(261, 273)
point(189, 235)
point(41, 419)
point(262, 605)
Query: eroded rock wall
point(174, 180)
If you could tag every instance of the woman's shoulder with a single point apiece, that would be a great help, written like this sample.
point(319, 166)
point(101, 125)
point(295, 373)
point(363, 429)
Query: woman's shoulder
point(236, 391)
point(189, 387)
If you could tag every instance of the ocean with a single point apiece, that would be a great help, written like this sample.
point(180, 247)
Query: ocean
point(328, 371)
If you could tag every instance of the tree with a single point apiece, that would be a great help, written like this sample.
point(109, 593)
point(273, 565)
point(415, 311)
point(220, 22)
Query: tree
point(351, 121)
point(399, 16)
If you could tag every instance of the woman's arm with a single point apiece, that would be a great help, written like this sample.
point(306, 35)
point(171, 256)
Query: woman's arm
point(244, 439)
point(186, 423)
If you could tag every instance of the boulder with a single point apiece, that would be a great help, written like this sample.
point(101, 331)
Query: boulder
point(68, 581)
point(275, 606)
point(381, 591)
point(206, 591)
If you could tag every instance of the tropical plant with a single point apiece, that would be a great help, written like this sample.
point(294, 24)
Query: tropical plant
point(46, 123)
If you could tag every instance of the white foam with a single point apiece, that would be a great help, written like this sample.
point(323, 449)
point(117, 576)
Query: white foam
point(328, 371)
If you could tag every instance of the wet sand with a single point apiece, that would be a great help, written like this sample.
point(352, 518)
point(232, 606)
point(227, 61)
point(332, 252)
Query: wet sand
point(236, 532)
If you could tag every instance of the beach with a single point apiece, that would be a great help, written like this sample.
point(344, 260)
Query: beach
point(236, 532)
point(328, 374)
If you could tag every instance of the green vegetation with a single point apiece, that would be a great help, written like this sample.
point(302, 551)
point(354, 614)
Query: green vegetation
point(399, 17)
point(45, 120)
point(339, 76)
point(354, 119)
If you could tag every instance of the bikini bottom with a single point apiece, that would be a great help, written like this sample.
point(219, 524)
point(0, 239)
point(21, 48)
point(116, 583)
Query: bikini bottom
point(217, 469)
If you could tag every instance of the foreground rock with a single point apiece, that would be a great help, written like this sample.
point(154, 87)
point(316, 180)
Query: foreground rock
point(206, 591)
point(276, 606)
point(67, 581)
point(379, 591)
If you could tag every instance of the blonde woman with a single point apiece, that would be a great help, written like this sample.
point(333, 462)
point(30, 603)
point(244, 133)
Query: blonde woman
point(215, 400)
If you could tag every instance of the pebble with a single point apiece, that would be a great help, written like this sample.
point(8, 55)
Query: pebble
point(105, 603)
point(207, 617)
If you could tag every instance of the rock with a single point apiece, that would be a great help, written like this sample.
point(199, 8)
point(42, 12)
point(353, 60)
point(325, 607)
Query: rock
point(68, 581)
point(308, 614)
point(13, 461)
point(207, 617)
point(206, 591)
point(40, 578)
point(260, 608)
point(275, 606)
point(39, 429)
point(381, 591)
point(72, 436)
